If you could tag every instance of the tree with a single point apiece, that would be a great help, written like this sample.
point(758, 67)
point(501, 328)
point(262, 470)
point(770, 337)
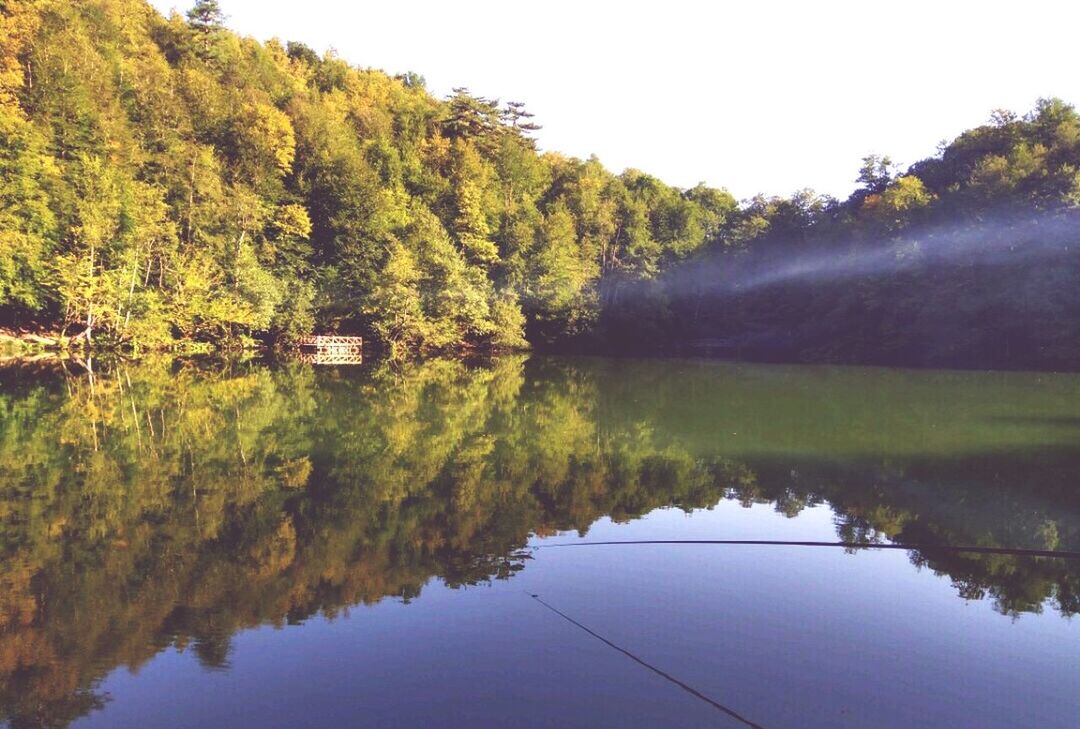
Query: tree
point(28, 225)
point(206, 16)
point(395, 306)
point(164, 179)
point(473, 118)
point(876, 173)
point(208, 22)
point(560, 278)
point(517, 119)
point(898, 203)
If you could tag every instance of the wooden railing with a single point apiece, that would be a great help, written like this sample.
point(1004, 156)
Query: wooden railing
point(331, 343)
point(330, 357)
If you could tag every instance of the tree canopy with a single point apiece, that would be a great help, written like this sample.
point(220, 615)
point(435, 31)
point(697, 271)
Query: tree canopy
point(167, 180)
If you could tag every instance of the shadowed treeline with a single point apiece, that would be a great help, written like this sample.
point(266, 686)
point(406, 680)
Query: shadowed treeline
point(176, 502)
point(994, 291)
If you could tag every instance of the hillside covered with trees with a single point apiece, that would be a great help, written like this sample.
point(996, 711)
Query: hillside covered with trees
point(165, 180)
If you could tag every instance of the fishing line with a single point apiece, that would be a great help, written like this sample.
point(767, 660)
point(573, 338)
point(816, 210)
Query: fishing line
point(770, 543)
point(847, 545)
point(663, 674)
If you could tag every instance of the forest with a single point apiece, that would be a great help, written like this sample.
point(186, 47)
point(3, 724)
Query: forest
point(167, 183)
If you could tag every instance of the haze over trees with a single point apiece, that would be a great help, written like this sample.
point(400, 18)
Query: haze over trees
point(165, 180)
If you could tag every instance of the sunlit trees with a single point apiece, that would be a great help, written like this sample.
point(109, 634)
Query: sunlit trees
point(28, 226)
point(165, 179)
point(280, 191)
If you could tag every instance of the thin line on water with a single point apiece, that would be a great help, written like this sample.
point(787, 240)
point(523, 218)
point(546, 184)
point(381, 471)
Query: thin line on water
point(847, 545)
point(663, 674)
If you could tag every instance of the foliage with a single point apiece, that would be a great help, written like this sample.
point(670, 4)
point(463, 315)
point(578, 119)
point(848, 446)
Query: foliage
point(165, 179)
point(969, 258)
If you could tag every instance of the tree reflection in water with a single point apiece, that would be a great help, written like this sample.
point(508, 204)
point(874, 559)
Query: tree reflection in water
point(177, 502)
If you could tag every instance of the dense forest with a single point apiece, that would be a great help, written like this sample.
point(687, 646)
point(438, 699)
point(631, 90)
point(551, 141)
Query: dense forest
point(166, 503)
point(165, 181)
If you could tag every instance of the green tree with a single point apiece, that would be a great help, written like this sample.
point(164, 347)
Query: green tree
point(206, 16)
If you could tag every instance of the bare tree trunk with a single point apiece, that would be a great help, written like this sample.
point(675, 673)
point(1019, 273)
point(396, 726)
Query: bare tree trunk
point(191, 200)
point(90, 306)
point(239, 440)
point(131, 292)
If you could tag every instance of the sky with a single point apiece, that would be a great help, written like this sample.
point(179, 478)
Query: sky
point(757, 97)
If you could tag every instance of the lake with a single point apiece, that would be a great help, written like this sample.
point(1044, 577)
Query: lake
point(193, 543)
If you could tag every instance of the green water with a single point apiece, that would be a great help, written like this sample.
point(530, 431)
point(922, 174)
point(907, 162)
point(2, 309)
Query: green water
point(161, 516)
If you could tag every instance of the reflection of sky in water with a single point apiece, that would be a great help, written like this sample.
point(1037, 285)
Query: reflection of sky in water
point(185, 505)
point(787, 636)
point(727, 520)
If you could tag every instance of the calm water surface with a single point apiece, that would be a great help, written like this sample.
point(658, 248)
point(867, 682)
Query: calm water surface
point(193, 544)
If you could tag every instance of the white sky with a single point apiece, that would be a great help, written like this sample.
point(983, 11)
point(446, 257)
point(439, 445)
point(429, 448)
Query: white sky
point(761, 96)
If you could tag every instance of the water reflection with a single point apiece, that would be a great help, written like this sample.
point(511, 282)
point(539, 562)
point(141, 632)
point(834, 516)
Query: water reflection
point(173, 503)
